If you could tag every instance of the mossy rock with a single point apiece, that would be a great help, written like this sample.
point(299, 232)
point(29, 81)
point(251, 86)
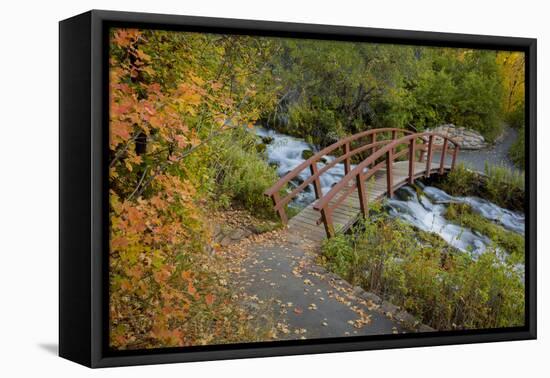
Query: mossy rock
point(261, 148)
point(306, 154)
point(267, 140)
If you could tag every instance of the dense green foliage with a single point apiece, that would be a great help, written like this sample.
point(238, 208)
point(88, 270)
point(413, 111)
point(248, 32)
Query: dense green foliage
point(517, 151)
point(332, 89)
point(512, 243)
point(504, 186)
point(418, 271)
point(499, 184)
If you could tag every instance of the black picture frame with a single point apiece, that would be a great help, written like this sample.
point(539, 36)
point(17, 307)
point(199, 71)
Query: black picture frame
point(83, 196)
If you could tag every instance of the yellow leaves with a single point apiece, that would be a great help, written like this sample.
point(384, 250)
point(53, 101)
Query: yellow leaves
point(143, 56)
point(188, 94)
point(512, 67)
point(187, 275)
point(149, 70)
point(195, 79)
point(195, 141)
point(190, 98)
point(135, 159)
point(125, 37)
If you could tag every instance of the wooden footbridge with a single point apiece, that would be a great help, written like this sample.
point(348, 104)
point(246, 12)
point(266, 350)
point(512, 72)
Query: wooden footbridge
point(385, 159)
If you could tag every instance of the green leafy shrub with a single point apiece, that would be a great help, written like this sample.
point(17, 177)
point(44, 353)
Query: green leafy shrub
point(418, 271)
point(461, 181)
point(500, 185)
point(517, 151)
point(504, 186)
point(242, 173)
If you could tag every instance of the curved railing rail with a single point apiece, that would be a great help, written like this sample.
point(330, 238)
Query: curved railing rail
point(359, 175)
point(311, 164)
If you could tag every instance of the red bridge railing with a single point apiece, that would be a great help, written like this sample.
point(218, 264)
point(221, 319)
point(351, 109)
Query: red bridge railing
point(368, 142)
point(356, 178)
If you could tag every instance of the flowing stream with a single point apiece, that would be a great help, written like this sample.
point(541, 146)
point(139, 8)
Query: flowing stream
point(286, 152)
point(425, 209)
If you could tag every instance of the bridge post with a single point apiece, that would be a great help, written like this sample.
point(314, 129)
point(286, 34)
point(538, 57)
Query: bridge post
point(430, 155)
point(443, 153)
point(412, 148)
point(316, 182)
point(347, 161)
point(362, 193)
point(282, 213)
point(455, 154)
point(327, 221)
point(389, 172)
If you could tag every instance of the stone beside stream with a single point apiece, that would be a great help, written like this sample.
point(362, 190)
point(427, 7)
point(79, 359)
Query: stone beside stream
point(467, 139)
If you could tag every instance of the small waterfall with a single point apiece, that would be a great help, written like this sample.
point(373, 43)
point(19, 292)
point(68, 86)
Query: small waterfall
point(426, 211)
point(286, 152)
point(508, 219)
point(429, 216)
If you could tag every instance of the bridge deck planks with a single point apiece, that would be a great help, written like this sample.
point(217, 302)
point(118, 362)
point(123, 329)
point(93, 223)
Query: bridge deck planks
point(306, 222)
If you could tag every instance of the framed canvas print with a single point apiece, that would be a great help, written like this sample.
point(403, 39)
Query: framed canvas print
point(233, 188)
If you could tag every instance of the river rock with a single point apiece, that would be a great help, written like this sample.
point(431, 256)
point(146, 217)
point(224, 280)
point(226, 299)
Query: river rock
point(239, 234)
point(425, 328)
point(389, 308)
point(466, 138)
point(405, 317)
point(306, 154)
point(371, 297)
point(267, 139)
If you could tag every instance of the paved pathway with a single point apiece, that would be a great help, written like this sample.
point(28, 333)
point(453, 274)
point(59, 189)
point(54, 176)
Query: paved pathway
point(496, 154)
point(283, 285)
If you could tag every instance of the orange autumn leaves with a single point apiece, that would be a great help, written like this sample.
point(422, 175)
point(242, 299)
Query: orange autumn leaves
point(164, 287)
